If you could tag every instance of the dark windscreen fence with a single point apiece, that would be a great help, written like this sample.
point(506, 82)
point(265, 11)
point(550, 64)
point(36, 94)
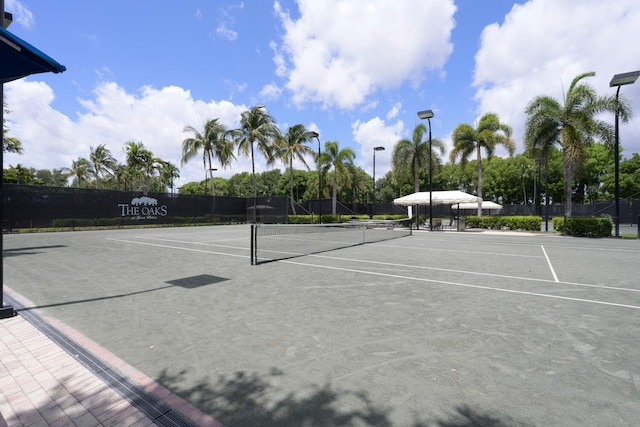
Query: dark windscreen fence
point(268, 210)
point(271, 242)
point(31, 206)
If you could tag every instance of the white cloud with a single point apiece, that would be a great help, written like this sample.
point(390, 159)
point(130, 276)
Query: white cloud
point(270, 92)
point(226, 21)
point(225, 32)
point(394, 111)
point(21, 14)
point(543, 44)
point(338, 53)
point(377, 133)
point(157, 117)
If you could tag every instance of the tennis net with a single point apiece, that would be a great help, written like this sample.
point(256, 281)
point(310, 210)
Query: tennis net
point(271, 242)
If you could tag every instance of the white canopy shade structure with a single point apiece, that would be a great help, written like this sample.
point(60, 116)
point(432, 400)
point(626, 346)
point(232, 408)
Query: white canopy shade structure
point(490, 206)
point(438, 198)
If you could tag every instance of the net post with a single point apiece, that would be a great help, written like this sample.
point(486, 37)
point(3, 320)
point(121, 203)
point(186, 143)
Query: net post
point(253, 244)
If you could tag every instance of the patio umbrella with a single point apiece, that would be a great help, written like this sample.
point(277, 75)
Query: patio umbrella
point(491, 206)
point(438, 198)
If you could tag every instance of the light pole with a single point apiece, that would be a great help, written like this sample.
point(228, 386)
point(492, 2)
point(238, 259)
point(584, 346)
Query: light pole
point(373, 202)
point(428, 114)
point(619, 80)
point(316, 135)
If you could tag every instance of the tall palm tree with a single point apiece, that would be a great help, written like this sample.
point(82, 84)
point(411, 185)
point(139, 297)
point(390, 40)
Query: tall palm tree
point(214, 143)
point(571, 124)
point(357, 180)
point(290, 147)
point(168, 173)
point(409, 156)
point(124, 177)
point(80, 170)
point(259, 127)
point(102, 162)
point(489, 133)
point(140, 162)
point(335, 158)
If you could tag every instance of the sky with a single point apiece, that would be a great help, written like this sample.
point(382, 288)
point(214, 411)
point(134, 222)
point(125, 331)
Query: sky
point(357, 72)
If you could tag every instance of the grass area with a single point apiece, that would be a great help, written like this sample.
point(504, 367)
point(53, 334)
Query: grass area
point(628, 236)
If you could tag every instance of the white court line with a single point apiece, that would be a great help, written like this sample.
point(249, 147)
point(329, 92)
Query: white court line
point(177, 247)
point(195, 243)
point(448, 270)
point(421, 279)
point(555, 244)
point(423, 248)
point(549, 262)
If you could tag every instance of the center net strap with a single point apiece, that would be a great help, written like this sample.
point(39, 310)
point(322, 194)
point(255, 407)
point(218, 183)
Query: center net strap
point(271, 242)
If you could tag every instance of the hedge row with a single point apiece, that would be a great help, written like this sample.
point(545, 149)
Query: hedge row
point(119, 221)
point(585, 227)
point(528, 223)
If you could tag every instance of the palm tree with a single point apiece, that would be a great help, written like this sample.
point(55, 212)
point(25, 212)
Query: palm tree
point(334, 157)
point(572, 125)
point(408, 156)
point(140, 162)
point(292, 146)
point(357, 180)
point(9, 144)
point(489, 133)
point(102, 162)
point(168, 173)
point(256, 126)
point(525, 171)
point(214, 144)
point(80, 170)
point(124, 177)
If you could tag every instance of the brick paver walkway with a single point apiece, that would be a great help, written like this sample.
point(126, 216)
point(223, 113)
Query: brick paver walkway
point(42, 384)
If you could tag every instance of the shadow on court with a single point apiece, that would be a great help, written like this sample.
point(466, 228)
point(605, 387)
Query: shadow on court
point(33, 250)
point(240, 399)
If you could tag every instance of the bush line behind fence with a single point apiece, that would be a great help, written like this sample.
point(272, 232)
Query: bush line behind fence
point(585, 227)
point(494, 222)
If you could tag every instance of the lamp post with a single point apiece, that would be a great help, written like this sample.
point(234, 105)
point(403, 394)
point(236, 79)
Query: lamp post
point(373, 201)
point(428, 114)
point(617, 81)
point(316, 135)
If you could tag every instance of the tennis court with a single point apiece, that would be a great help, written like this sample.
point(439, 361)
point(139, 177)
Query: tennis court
point(442, 329)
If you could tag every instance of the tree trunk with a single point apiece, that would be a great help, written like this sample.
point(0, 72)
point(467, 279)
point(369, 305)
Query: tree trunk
point(255, 190)
point(293, 205)
point(416, 174)
point(479, 181)
point(567, 185)
point(334, 197)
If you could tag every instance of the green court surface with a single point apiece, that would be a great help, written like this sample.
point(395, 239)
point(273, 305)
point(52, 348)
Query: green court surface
point(442, 329)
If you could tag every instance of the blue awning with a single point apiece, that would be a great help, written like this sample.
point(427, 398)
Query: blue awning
point(19, 59)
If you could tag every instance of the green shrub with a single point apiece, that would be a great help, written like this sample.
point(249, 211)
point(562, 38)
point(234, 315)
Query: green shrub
point(496, 222)
point(558, 223)
point(585, 227)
